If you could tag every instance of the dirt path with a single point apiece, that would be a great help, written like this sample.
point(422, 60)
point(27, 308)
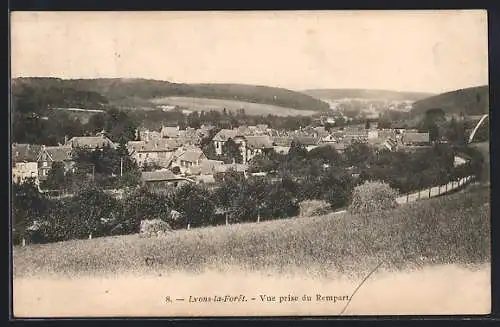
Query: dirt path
point(446, 289)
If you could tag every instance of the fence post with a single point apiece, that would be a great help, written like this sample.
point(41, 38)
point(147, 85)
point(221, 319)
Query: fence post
point(446, 188)
point(439, 189)
point(407, 197)
point(430, 188)
point(418, 195)
point(189, 226)
point(24, 242)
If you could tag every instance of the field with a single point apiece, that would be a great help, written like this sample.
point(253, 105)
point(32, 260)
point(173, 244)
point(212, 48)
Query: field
point(429, 253)
point(198, 104)
point(451, 229)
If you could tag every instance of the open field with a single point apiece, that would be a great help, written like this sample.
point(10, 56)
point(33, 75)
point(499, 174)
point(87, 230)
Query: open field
point(450, 229)
point(199, 104)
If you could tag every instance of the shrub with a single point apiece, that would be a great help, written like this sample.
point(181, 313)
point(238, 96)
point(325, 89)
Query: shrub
point(372, 196)
point(313, 208)
point(154, 227)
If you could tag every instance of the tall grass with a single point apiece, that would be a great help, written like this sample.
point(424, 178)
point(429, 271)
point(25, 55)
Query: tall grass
point(452, 229)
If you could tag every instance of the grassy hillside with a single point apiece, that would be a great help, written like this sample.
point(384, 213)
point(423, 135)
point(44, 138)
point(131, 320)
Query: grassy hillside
point(335, 94)
point(470, 101)
point(450, 229)
point(139, 92)
point(250, 108)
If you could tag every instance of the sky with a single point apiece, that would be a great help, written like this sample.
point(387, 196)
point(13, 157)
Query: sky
point(426, 51)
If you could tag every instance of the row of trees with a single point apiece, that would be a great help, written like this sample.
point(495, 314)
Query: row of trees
point(403, 170)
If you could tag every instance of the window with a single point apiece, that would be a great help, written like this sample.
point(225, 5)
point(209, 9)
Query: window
point(45, 164)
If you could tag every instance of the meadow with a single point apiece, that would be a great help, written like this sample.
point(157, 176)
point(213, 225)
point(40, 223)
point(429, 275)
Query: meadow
point(199, 104)
point(453, 229)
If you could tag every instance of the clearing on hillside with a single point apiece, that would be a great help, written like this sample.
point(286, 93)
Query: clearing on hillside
point(199, 104)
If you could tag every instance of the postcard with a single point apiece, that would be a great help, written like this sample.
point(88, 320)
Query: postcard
point(250, 163)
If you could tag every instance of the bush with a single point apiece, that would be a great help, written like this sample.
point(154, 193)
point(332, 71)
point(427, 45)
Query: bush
point(372, 196)
point(313, 208)
point(154, 227)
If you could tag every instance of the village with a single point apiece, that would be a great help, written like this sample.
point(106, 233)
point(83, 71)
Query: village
point(173, 156)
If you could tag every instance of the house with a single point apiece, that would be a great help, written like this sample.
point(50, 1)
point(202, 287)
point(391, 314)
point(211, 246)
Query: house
point(329, 138)
point(186, 157)
point(22, 171)
point(49, 155)
point(281, 144)
point(162, 179)
point(24, 164)
point(415, 138)
point(158, 152)
point(310, 142)
point(147, 135)
point(222, 170)
point(90, 142)
point(170, 132)
point(391, 143)
point(254, 145)
point(190, 136)
point(206, 167)
point(222, 137)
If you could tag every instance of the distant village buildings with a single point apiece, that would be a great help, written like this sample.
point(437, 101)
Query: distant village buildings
point(176, 155)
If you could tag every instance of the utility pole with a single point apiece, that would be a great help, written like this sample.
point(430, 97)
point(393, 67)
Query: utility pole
point(93, 172)
point(121, 166)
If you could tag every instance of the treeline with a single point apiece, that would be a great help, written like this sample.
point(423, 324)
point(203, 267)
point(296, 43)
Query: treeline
point(53, 127)
point(122, 89)
point(403, 170)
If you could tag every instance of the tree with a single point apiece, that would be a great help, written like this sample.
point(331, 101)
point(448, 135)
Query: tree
point(358, 154)
point(231, 152)
point(326, 154)
point(297, 151)
point(434, 122)
point(28, 205)
point(264, 163)
point(88, 210)
point(195, 204)
point(141, 204)
point(56, 177)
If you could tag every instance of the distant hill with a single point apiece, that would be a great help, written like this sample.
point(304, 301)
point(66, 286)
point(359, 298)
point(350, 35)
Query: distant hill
point(141, 92)
point(337, 94)
point(470, 101)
